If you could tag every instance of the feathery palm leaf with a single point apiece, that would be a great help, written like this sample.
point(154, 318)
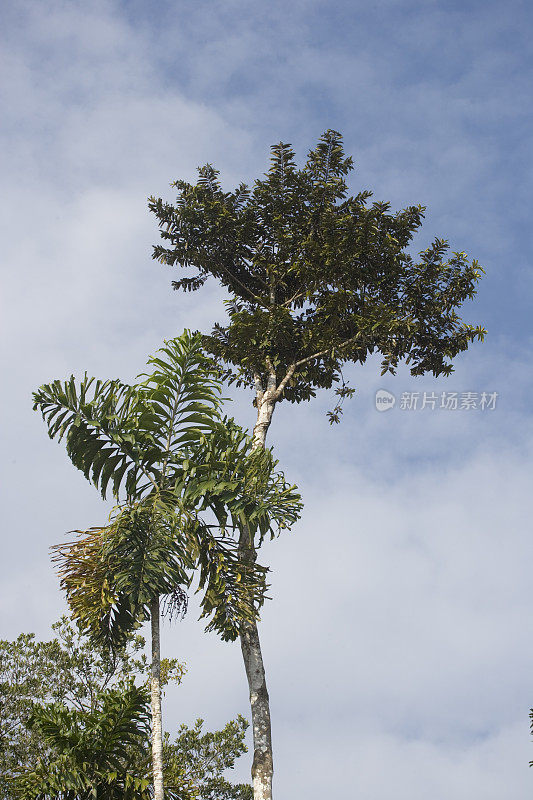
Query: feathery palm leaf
point(110, 574)
point(125, 434)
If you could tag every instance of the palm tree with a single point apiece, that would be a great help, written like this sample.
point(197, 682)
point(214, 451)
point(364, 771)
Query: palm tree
point(169, 457)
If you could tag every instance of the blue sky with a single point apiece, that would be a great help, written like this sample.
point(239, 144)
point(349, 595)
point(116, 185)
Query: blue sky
point(398, 640)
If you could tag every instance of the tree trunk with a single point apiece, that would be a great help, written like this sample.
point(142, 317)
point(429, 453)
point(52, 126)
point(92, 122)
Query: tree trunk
point(263, 763)
point(155, 695)
point(263, 766)
point(265, 409)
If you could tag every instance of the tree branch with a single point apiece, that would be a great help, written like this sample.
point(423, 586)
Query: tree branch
point(292, 369)
point(286, 379)
point(325, 352)
point(255, 297)
point(293, 298)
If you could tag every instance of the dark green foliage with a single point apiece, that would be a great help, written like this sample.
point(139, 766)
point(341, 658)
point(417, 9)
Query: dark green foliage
point(126, 434)
point(111, 574)
point(65, 670)
point(239, 483)
point(316, 277)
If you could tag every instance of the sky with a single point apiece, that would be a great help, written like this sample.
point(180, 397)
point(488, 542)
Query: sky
point(398, 638)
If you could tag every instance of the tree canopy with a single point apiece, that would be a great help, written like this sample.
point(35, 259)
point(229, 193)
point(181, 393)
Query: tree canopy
point(316, 277)
point(90, 753)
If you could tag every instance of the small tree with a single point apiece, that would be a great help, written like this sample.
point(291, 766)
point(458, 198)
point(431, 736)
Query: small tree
point(92, 753)
point(162, 440)
point(72, 688)
point(66, 671)
point(316, 279)
point(202, 757)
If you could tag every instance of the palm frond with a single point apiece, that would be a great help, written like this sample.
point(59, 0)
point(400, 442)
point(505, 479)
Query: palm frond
point(182, 394)
point(110, 574)
point(241, 484)
point(124, 434)
point(233, 591)
point(99, 421)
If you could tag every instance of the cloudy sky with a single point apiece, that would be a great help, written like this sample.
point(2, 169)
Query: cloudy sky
point(398, 641)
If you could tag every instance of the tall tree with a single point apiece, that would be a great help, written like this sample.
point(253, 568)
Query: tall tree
point(147, 437)
point(316, 278)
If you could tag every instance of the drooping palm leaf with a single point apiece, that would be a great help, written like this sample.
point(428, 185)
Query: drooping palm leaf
point(110, 574)
point(86, 573)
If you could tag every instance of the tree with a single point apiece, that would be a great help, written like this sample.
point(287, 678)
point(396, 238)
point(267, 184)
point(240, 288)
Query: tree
point(202, 759)
point(68, 681)
point(92, 753)
point(65, 671)
point(316, 279)
point(147, 438)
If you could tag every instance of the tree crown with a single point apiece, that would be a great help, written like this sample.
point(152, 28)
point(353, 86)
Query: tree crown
point(316, 277)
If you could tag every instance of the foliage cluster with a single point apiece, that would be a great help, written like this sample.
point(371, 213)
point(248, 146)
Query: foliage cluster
point(73, 716)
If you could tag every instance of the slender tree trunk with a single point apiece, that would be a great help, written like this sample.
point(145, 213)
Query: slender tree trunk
point(263, 763)
point(155, 694)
